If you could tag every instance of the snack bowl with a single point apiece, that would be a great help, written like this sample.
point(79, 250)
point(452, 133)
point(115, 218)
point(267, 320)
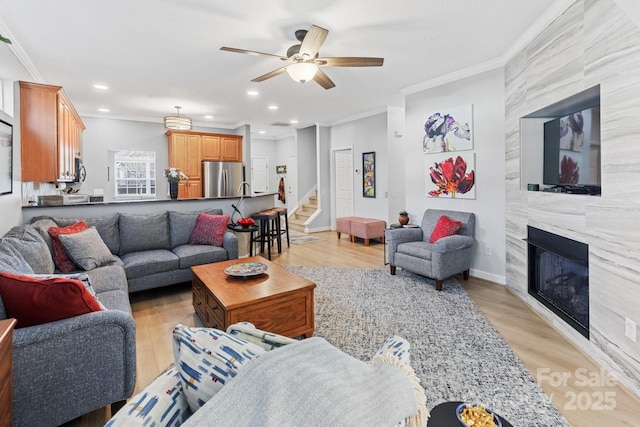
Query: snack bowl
point(246, 222)
point(462, 406)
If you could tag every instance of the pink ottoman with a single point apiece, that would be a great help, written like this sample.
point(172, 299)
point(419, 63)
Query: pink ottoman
point(343, 225)
point(367, 228)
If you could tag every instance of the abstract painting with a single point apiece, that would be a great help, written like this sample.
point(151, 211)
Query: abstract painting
point(450, 176)
point(449, 130)
point(369, 174)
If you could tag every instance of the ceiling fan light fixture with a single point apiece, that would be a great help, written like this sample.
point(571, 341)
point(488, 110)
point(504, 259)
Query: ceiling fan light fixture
point(302, 71)
point(177, 122)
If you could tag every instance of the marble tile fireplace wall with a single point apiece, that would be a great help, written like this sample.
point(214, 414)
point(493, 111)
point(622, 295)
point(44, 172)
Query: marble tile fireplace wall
point(592, 43)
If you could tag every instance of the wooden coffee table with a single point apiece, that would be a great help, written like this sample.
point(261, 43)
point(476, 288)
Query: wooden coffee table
point(277, 301)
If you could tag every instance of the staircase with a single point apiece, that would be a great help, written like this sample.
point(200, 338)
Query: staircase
point(302, 214)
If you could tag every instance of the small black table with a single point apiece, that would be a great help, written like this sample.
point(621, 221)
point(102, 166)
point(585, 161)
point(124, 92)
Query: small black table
point(240, 229)
point(444, 415)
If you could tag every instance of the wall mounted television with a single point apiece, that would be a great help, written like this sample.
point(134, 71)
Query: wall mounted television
point(571, 144)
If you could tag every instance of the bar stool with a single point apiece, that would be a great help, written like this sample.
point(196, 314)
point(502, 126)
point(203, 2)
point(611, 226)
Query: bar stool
point(266, 234)
point(282, 212)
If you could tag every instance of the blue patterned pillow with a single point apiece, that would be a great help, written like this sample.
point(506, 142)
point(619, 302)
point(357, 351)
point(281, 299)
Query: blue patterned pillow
point(207, 358)
point(161, 404)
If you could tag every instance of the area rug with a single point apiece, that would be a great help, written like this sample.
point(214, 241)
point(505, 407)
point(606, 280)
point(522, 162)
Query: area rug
point(455, 351)
point(297, 238)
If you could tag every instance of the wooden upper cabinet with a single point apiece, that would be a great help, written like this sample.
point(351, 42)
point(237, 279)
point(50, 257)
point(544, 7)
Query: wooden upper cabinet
point(219, 147)
point(231, 148)
point(50, 134)
point(211, 147)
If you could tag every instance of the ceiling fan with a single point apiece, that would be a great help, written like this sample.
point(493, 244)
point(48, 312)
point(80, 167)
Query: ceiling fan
point(304, 61)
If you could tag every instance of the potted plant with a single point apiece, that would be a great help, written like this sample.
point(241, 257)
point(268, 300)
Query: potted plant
point(174, 176)
point(403, 218)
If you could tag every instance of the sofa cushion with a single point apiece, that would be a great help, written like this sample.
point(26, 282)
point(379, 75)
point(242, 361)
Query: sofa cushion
point(108, 278)
point(141, 232)
point(109, 229)
point(144, 263)
point(87, 249)
point(42, 225)
point(191, 255)
point(23, 250)
point(208, 358)
point(35, 301)
point(60, 257)
point(161, 404)
point(420, 249)
point(445, 227)
point(209, 229)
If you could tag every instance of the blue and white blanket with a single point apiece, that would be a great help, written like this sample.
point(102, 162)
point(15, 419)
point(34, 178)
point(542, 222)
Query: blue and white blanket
point(311, 383)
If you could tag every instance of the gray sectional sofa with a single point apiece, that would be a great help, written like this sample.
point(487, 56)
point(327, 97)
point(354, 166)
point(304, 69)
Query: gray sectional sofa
point(66, 368)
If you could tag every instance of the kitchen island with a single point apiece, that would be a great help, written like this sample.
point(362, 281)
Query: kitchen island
point(250, 204)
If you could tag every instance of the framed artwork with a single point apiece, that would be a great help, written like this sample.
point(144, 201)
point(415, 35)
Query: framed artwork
point(449, 130)
point(451, 177)
point(281, 169)
point(6, 158)
point(369, 174)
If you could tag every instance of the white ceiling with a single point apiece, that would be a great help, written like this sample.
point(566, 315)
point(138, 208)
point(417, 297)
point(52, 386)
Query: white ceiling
point(155, 54)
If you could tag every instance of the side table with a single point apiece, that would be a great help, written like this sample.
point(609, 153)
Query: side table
point(240, 229)
point(6, 377)
point(444, 415)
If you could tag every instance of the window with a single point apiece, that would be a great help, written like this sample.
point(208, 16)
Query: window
point(135, 174)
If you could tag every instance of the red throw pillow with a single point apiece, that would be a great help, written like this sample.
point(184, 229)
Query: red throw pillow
point(60, 257)
point(209, 229)
point(445, 227)
point(32, 301)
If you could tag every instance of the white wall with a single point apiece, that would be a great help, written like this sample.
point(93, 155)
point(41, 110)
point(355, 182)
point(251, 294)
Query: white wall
point(486, 92)
point(366, 135)
point(10, 204)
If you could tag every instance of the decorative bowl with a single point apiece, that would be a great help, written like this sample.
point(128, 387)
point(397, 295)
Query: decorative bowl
point(461, 407)
point(246, 222)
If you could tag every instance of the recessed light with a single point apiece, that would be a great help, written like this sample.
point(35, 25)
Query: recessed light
point(208, 116)
point(293, 122)
point(273, 107)
point(262, 132)
point(103, 110)
point(101, 87)
point(253, 93)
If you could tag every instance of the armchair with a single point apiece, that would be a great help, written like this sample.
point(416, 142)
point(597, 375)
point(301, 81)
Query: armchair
point(409, 248)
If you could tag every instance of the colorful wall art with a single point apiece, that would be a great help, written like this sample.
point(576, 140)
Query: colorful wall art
point(369, 174)
point(449, 130)
point(451, 176)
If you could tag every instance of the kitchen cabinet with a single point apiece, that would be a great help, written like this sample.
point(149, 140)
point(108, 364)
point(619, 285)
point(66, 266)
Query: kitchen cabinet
point(188, 149)
point(224, 148)
point(50, 133)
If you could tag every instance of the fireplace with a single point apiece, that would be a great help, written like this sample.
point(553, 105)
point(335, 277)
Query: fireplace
point(559, 276)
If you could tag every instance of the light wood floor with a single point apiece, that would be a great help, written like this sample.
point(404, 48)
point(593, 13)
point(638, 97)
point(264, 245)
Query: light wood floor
point(545, 353)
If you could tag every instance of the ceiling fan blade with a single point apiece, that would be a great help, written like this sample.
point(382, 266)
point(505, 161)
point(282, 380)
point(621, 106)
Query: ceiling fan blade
point(253, 52)
point(270, 74)
point(323, 80)
point(350, 61)
point(313, 41)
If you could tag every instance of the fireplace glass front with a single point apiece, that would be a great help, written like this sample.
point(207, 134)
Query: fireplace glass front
point(559, 276)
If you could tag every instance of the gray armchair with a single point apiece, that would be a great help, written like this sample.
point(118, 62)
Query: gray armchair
point(409, 248)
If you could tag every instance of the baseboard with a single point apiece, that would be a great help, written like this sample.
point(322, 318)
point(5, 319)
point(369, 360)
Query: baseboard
point(496, 278)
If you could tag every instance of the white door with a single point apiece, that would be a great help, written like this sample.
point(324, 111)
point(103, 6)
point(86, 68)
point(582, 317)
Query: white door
point(259, 174)
point(344, 182)
point(291, 182)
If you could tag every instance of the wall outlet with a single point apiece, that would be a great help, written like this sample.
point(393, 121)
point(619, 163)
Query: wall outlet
point(488, 251)
point(630, 329)
point(98, 191)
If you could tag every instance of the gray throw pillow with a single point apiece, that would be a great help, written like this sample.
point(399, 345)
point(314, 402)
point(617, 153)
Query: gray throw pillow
point(87, 249)
point(142, 232)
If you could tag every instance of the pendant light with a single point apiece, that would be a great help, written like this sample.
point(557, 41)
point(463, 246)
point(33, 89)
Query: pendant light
point(177, 122)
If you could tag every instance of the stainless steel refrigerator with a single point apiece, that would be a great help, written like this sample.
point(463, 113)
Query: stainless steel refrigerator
point(222, 179)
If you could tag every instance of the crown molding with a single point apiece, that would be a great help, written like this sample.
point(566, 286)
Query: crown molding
point(21, 55)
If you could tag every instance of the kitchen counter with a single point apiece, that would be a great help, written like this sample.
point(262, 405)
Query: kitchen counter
point(250, 204)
